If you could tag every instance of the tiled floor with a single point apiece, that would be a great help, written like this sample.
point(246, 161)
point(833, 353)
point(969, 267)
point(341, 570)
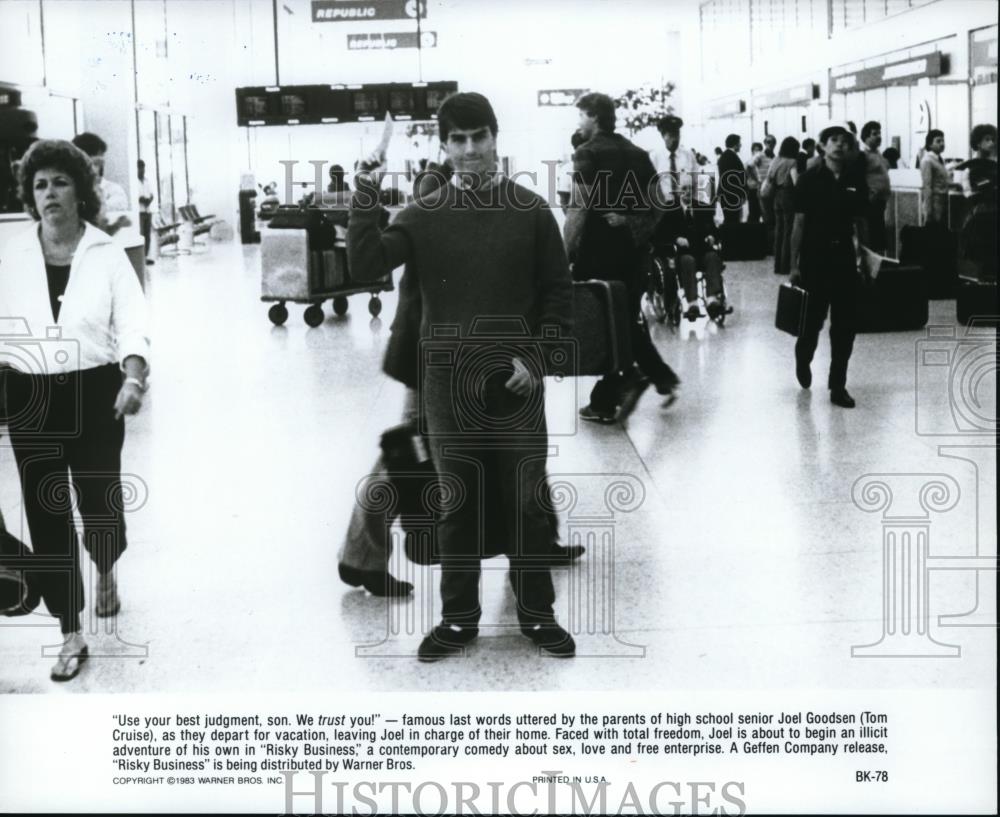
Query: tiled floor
point(742, 559)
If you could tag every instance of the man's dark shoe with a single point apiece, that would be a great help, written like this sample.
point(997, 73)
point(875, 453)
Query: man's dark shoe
point(588, 412)
point(715, 308)
point(445, 640)
point(840, 397)
point(634, 388)
point(803, 374)
point(378, 583)
point(551, 638)
point(692, 313)
point(561, 554)
point(668, 388)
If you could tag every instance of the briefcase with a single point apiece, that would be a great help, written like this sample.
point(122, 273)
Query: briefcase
point(935, 248)
point(601, 321)
point(791, 314)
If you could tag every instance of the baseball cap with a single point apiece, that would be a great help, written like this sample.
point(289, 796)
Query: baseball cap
point(831, 127)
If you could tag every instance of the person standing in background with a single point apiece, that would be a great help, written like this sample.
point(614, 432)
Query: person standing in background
point(113, 197)
point(762, 164)
point(753, 184)
point(934, 178)
point(145, 199)
point(877, 179)
point(732, 181)
point(777, 192)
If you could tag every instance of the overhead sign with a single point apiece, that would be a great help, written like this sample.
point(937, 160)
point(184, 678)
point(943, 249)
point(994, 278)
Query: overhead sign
point(795, 95)
point(561, 97)
point(732, 107)
point(895, 73)
point(387, 42)
point(347, 11)
point(983, 57)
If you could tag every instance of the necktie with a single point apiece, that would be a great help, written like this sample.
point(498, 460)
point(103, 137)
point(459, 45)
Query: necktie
point(675, 179)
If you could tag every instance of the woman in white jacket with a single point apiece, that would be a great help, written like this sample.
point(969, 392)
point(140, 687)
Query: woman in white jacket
point(77, 347)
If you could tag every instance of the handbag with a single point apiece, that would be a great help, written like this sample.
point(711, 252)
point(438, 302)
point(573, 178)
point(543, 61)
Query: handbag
point(793, 302)
point(18, 595)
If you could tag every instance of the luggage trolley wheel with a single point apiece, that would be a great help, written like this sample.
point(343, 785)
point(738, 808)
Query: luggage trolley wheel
point(278, 313)
point(313, 315)
point(375, 306)
point(340, 305)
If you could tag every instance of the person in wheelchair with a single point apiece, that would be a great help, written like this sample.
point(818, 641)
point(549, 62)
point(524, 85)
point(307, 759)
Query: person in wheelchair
point(686, 230)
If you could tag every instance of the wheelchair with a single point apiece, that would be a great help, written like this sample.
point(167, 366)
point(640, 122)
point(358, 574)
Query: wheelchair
point(666, 295)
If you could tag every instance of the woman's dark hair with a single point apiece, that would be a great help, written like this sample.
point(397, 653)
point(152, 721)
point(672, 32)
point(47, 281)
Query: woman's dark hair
point(56, 154)
point(979, 133)
point(601, 107)
point(808, 144)
point(932, 134)
point(466, 111)
point(789, 148)
point(891, 155)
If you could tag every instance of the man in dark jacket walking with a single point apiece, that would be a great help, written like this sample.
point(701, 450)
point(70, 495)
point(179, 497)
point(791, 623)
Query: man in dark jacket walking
point(611, 219)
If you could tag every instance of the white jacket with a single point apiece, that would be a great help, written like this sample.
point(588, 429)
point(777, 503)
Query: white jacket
point(102, 318)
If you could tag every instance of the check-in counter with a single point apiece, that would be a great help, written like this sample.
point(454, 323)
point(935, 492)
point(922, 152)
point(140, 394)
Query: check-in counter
point(905, 207)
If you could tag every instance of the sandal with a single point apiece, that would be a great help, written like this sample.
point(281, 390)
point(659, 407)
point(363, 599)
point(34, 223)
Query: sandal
point(68, 665)
point(107, 602)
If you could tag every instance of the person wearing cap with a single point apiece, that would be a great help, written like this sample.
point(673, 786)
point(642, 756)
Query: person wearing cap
point(687, 221)
point(830, 202)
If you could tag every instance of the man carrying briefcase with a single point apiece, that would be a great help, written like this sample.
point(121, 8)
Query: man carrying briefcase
point(830, 204)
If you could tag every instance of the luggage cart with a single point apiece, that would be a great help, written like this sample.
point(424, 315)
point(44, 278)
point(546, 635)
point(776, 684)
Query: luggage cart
point(304, 261)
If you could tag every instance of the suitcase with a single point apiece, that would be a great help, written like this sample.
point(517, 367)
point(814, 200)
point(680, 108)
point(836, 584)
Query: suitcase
point(896, 301)
point(602, 331)
point(977, 300)
point(935, 248)
point(790, 315)
point(746, 241)
point(18, 596)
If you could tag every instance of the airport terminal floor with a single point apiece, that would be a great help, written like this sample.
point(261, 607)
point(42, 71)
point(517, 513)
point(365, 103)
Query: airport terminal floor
point(737, 556)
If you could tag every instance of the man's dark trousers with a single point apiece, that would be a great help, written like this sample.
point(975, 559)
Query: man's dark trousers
point(833, 286)
point(508, 462)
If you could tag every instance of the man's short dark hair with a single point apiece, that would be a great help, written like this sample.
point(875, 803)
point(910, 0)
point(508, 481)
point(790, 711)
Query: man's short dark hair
point(932, 134)
point(670, 124)
point(466, 111)
point(868, 127)
point(772, 137)
point(756, 146)
point(601, 107)
point(90, 143)
point(808, 143)
point(55, 154)
point(732, 140)
point(979, 133)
